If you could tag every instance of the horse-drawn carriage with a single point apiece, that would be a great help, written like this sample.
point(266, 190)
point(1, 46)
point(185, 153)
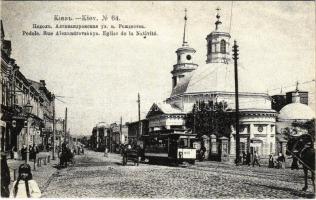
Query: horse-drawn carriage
point(66, 156)
point(302, 149)
point(130, 154)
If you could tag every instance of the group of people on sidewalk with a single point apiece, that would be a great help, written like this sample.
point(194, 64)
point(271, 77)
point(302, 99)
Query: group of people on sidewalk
point(23, 187)
point(250, 159)
point(33, 151)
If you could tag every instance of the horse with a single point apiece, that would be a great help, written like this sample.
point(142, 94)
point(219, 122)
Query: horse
point(302, 148)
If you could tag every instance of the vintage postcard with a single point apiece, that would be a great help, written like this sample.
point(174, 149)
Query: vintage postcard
point(158, 99)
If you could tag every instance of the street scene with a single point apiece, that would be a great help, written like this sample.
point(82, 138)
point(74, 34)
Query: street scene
point(158, 100)
point(96, 176)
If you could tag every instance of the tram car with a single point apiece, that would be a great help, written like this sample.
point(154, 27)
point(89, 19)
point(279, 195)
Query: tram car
point(169, 146)
point(99, 139)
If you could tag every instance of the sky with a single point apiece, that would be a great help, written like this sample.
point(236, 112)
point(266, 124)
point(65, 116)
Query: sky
point(99, 77)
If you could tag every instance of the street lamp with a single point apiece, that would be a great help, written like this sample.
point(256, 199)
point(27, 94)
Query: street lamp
point(28, 110)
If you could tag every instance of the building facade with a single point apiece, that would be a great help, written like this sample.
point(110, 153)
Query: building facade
point(17, 92)
point(214, 81)
point(136, 130)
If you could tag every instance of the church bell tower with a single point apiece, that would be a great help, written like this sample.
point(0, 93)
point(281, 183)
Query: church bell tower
point(185, 59)
point(218, 44)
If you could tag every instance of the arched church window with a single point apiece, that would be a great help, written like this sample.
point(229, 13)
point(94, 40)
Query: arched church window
point(223, 46)
point(174, 81)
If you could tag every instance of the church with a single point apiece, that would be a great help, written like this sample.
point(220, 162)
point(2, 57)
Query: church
point(214, 81)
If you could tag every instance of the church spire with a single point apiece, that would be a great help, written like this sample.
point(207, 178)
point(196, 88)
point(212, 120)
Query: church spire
point(185, 43)
point(218, 22)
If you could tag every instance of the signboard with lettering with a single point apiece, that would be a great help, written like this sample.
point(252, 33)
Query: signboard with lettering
point(186, 153)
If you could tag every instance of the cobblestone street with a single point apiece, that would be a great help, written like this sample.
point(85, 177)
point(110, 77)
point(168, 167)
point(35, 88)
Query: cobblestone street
point(94, 175)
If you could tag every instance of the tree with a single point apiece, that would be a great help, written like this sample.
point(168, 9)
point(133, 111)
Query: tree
point(208, 118)
point(309, 126)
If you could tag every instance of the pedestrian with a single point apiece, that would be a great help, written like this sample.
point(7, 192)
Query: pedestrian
point(106, 152)
point(248, 158)
point(202, 153)
point(294, 164)
point(271, 161)
point(281, 161)
point(255, 159)
point(5, 176)
point(32, 152)
point(63, 156)
point(24, 152)
point(25, 186)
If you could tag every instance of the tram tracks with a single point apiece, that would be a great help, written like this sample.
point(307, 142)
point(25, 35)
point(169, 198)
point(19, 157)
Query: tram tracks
point(247, 173)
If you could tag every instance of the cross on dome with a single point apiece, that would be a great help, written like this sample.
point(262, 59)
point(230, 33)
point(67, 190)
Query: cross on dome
point(218, 22)
point(296, 89)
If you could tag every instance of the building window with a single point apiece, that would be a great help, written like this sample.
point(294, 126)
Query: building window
point(209, 47)
point(223, 46)
point(174, 81)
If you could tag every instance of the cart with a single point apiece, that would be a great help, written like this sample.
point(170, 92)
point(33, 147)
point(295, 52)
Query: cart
point(131, 155)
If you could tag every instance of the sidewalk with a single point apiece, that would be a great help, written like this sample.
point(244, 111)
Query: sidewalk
point(41, 174)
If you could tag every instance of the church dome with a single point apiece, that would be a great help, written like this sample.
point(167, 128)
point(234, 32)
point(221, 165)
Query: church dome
point(296, 111)
point(218, 77)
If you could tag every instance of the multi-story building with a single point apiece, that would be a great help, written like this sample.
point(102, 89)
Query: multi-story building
point(17, 92)
point(59, 131)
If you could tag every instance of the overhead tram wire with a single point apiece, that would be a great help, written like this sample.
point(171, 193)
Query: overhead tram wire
point(292, 85)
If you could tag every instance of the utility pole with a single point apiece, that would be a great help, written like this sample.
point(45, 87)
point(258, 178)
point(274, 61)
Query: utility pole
point(235, 57)
point(65, 125)
point(120, 140)
point(53, 141)
point(139, 125)
point(194, 114)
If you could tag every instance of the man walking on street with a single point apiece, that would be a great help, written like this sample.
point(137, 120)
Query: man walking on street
point(248, 158)
point(255, 159)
